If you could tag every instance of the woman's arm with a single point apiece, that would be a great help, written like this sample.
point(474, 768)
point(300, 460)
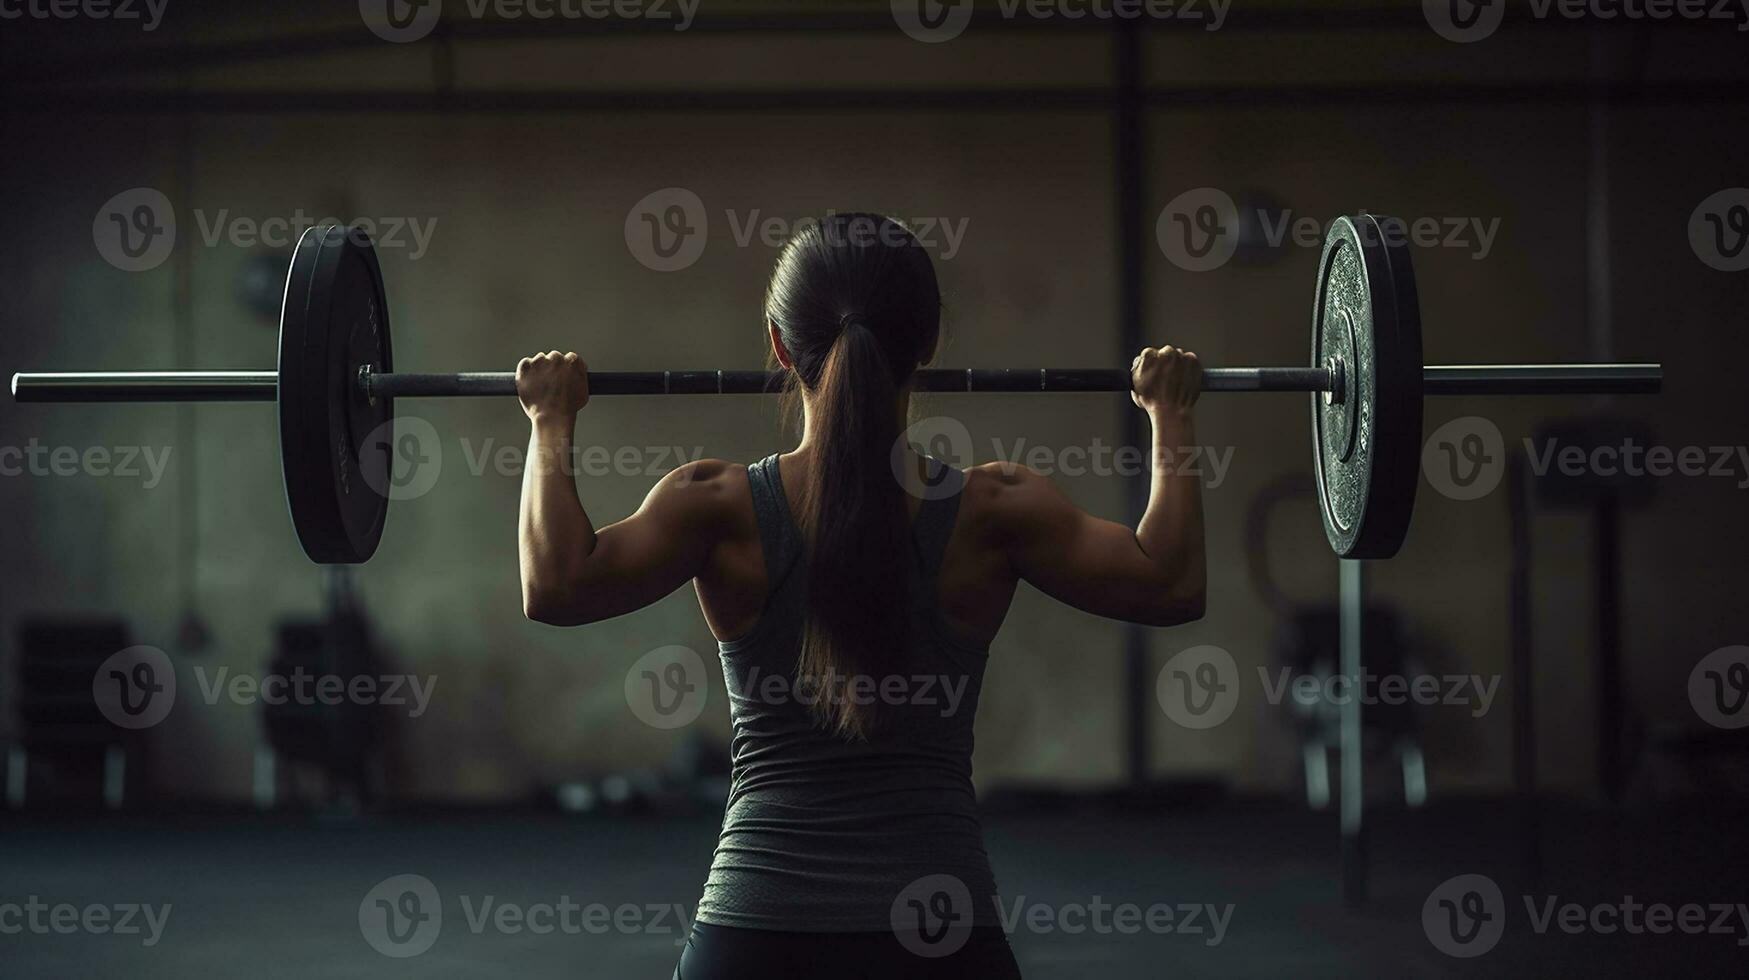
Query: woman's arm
point(572, 574)
point(1154, 574)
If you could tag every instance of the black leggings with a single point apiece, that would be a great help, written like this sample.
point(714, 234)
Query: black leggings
point(726, 953)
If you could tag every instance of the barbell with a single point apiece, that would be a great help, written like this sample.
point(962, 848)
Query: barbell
point(336, 386)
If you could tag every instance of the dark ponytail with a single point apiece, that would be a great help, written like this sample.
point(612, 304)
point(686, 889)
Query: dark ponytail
point(855, 302)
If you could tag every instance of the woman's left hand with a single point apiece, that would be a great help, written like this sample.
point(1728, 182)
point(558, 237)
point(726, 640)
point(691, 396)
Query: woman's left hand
point(552, 384)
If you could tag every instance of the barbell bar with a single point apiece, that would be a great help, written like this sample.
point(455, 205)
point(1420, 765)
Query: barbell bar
point(263, 386)
point(335, 388)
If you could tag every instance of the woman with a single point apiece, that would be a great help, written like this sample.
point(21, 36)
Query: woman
point(854, 616)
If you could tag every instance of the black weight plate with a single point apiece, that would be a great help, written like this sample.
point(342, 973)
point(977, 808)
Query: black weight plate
point(1366, 446)
point(334, 442)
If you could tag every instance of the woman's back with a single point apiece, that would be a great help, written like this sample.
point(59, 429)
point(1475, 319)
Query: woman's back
point(824, 833)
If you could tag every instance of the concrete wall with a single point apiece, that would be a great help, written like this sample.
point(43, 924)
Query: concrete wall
point(528, 252)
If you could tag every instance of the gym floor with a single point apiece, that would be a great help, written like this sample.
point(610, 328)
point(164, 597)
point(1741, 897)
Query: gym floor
point(282, 895)
point(1559, 786)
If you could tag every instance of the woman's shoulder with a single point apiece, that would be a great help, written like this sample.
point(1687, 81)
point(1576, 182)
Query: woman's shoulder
point(999, 494)
point(708, 488)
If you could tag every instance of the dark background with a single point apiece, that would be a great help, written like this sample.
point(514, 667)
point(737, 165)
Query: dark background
point(528, 146)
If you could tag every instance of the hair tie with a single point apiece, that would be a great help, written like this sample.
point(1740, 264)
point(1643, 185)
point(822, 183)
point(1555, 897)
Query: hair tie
point(849, 320)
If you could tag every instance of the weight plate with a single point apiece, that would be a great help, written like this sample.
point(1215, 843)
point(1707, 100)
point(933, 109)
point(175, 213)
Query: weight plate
point(1366, 325)
point(334, 442)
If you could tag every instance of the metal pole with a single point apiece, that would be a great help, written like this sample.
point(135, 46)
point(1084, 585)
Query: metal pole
point(147, 386)
point(221, 386)
point(1351, 630)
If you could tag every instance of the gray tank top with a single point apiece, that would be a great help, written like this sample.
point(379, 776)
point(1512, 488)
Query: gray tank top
point(823, 834)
